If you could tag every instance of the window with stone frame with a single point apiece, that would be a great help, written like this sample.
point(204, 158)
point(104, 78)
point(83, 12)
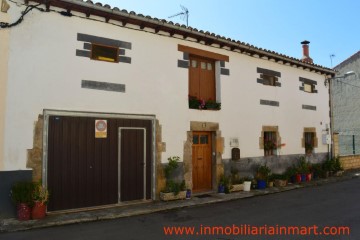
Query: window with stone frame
point(104, 53)
point(269, 77)
point(308, 85)
point(270, 143)
point(309, 138)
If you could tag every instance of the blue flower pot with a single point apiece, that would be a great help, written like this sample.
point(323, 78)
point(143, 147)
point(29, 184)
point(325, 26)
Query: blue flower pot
point(303, 177)
point(221, 189)
point(261, 184)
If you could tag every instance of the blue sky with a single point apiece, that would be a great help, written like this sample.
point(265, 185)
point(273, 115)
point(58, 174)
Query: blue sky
point(332, 26)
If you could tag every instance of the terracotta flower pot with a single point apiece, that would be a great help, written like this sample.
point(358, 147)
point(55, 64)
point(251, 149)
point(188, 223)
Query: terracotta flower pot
point(23, 212)
point(39, 210)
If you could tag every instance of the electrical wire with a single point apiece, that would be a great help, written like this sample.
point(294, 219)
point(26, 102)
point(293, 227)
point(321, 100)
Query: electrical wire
point(28, 9)
point(349, 83)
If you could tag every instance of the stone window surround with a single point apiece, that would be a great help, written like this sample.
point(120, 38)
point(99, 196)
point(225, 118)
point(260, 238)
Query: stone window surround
point(309, 130)
point(271, 73)
point(309, 82)
point(269, 129)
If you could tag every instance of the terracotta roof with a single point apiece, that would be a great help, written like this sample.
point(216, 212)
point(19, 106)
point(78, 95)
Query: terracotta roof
point(351, 59)
point(89, 8)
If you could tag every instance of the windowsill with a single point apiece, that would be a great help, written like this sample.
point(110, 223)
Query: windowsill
point(198, 104)
point(209, 109)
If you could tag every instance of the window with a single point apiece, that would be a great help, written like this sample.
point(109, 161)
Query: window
point(104, 53)
point(269, 77)
point(309, 142)
point(308, 85)
point(202, 84)
point(269, 80)
point(270, 143)
point(309, 88)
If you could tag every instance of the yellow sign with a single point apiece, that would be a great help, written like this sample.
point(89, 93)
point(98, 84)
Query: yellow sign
point(100, 128)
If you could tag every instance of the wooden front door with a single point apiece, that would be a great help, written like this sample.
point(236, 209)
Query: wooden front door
point(202, 78)
point(201, 161)
point(132, 163)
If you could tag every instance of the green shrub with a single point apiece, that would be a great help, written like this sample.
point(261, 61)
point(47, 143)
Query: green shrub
point(21, 192)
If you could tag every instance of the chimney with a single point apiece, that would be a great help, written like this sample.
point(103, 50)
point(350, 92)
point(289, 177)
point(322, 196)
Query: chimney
point(306, 58)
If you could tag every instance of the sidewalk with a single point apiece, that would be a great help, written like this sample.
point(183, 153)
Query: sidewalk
point(11, 225)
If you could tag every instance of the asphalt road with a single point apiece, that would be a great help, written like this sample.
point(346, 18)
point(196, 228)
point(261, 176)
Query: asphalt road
point(331, 205)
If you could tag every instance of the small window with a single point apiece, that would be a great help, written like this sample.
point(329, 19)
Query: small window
point(270, 143)
point(196, 139)
point(104, 53)
point(269, 80)
point(209, 66)
point(204, 139)
point(203, 65)
point(309, 88)
point(194, 63)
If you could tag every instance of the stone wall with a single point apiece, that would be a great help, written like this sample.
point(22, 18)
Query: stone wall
point(277, 164)
point(350, 162)
point(346, 105)
point(34, 155)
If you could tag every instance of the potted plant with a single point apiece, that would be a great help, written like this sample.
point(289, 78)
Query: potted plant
point(280, 180)
point(271, 180)
point(293, 174)
point(236, 182)
point(40, 197)
point(304, 169)
point(173, 189)
point(21, 195)
point(224, 184)
point(262, 174)
point(247, 184)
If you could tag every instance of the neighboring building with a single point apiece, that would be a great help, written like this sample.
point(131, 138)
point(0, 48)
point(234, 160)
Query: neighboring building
point(95, 107)
point(346, 108)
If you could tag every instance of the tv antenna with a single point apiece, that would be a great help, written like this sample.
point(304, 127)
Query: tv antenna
point(184, 15)
point(331, 58)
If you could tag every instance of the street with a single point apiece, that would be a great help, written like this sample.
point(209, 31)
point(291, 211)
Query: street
point(331, 205)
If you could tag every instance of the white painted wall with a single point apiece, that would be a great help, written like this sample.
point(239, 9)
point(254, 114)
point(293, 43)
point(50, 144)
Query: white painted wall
point(45, 73)
point(4, 55)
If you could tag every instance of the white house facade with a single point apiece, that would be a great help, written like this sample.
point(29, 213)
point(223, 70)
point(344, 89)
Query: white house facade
point(97, 99)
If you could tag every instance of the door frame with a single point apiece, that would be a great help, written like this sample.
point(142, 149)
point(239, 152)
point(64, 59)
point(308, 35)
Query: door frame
point(53, 112)
point(210, 134)
point(119, 160)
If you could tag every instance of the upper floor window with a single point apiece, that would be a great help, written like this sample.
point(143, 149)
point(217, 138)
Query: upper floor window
point(204, 84)
point(269, 77)
point(104, 53)
point(308, 85)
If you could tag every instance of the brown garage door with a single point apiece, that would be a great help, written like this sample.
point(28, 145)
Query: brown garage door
point(83, 171)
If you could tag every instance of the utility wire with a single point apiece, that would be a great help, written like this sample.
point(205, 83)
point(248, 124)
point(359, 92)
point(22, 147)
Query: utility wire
point(348, 83)
point(26, 11)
